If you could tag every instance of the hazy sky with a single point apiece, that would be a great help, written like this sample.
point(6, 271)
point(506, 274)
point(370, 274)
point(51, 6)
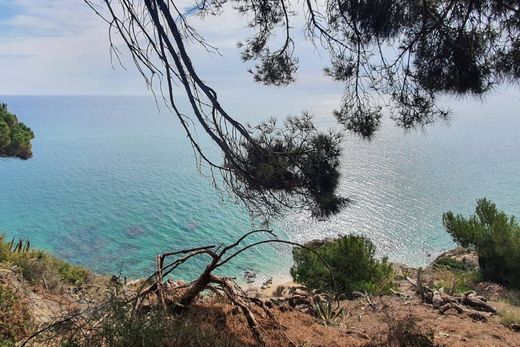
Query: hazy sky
point(61, 47)
point(56, 47)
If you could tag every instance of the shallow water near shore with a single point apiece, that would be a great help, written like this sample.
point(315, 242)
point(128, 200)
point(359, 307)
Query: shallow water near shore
point(113, 182)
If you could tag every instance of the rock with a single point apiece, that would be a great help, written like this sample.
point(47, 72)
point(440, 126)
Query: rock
point(285, 307)
point(286, 291)
point(261, 295)
point(437, 299)
point(134, 282)
point(478, 316)
point(249, 276)
point(300, 291)
point(299, 300)
point(398, 273)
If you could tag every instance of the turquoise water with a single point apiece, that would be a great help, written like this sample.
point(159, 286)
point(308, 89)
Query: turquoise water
point(113, 182)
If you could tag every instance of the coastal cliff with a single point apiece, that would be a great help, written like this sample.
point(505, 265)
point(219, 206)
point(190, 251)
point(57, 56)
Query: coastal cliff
point(38, 291)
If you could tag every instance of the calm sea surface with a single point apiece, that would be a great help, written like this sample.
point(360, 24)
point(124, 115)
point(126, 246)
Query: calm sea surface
point(113, 182)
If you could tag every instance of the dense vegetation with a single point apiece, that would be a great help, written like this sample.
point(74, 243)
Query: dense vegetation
point(15, 137)
point(352, 262)
point(496, 238)
point(39, 267)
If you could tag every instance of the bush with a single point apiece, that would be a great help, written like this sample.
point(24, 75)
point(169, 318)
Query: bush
point(351, 259)
point(405, 333)
point(455, 276)
point(496, 238)
point(113, 323)
point(40, 267)
point(452, 264)
point(15, 320)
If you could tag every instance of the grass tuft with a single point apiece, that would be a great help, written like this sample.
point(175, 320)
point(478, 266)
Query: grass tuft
point(39, 267)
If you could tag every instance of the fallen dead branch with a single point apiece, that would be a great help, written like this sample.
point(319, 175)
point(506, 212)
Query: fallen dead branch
point(175, 297)
point(469, 303)
point(209, 281)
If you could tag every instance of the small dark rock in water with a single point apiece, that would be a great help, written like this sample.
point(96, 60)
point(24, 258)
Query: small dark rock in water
point(134, 230)
point(192, 226)
point(249, 276)
point(267, 283)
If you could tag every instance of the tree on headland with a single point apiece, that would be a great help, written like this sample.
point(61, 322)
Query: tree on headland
point(496, 238)
point(15, 136)
point(392, 55)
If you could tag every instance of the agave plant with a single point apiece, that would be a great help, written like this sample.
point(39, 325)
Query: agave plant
point(326, 313)
point(20, 246)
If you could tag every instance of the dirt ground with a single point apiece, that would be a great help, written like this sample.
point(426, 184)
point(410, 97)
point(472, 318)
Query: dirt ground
point(363, 324)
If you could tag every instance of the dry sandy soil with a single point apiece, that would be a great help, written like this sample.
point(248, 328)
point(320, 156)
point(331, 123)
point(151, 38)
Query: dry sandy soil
point(362, 325)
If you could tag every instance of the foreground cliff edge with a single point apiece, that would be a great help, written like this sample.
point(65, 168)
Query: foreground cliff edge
point(53, 302)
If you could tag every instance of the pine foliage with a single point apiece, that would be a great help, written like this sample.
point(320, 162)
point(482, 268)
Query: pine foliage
point(496, 238)
point(352, 262)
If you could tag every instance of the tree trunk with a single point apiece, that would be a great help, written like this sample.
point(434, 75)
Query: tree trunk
point(198, 286)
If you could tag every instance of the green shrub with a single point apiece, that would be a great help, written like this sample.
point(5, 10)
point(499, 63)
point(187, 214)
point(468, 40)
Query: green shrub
point(42, 267)
point(455, 276)
point(327, 313)
point(509, 316)
point(496, 238)
point(38, 266)
point(513, 297)
point(353, 264)
point(452, 264)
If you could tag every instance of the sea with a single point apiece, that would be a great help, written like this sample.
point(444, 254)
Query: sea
point(113, 182)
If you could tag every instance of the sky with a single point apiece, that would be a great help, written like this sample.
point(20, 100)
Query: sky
point(58, 47)
point(61, 47)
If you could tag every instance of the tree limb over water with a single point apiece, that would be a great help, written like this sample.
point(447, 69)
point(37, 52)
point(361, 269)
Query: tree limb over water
point(391, 54)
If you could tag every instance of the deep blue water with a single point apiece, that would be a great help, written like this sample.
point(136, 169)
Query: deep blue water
point(112, 181)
